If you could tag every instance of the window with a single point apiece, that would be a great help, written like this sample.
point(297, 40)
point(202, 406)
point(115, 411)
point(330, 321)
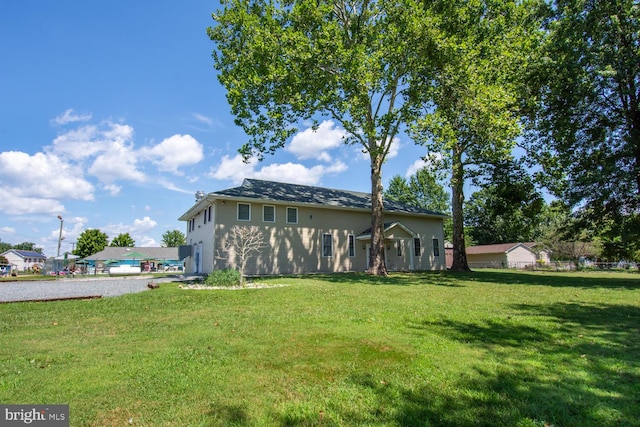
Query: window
point(269, 213)
point(416, 247)
point(352, 245)
point(436, 247)
point(205, 215)
point(244, 212)
point(399, 247)
point(327, 245)
point(209, 213)
point(292, 215)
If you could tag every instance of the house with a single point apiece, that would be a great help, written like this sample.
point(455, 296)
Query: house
point(307, 229)
point(21, 260)
point(147, 258)
point(503, 255)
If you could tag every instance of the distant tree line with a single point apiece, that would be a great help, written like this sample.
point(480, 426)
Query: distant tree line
point(24, 246)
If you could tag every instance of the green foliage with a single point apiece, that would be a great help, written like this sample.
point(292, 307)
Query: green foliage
point(27, 246)
point(426, 349)
point(228, 277)
point(474, 120)
point(422, 190)
point(4, 246)
point(173, 239)
point(585, 118)
point(283, 63)
point(123, 240)
point(507, 209)
point(90, 242)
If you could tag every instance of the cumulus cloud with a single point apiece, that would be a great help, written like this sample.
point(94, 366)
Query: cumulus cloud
point(41, 174)
point(315, 144)
point(394, 150)
point(233, 168)
point(429, 161)
point(71, 116)
point(174, 152)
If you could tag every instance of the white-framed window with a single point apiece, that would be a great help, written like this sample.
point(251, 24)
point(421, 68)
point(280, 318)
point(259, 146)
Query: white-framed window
point(268, 213)
point(417, 249)
point(244, 212)
point(327, 245)
point(352, 245)
point(436, 247)
point(292, 215)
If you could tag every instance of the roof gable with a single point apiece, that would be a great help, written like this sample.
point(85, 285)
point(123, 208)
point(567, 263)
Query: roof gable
point(25, 254)
point(500, 248)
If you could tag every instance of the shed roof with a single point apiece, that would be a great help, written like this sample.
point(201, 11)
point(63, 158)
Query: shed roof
point(500, 248)
point(120, 253)
point(25, 254)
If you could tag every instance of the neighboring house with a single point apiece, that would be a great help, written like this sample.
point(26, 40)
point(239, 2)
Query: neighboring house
point(148, 258)
point(504, 255)
point(23, 260)
point(308, 229)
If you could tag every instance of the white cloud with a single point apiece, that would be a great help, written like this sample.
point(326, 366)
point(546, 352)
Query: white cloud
point(70, 116)
point(204, 119)
point(394, 150)
point(144, 224)
point(34, 184)
point(310, 144)
point(429, 161)
point(174, 152)
point(7, 230)
point(112, 189)
point(233, 168)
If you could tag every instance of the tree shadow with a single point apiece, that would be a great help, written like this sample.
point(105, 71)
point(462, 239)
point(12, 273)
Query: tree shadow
point(552, 279)
point(583, 372)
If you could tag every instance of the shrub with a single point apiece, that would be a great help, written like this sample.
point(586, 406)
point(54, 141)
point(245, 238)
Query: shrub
point(226, 277)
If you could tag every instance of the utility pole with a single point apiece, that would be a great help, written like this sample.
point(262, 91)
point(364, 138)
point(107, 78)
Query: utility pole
point(60, 235)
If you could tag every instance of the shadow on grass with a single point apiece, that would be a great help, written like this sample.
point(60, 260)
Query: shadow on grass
point(507, 277)
point(576, 280)
point(581, 370)
point(433, 278)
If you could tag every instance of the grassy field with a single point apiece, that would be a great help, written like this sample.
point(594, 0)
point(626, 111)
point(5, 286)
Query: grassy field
point(495, 348)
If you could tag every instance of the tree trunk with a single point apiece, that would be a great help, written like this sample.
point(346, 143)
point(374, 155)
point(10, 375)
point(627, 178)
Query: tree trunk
point(377, 264)
point(457, 200)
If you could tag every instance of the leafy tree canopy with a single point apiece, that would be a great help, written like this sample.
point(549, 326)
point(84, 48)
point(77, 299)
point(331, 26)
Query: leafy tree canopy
point(173, 238)
point(123, 240)
point(361, 63)
point(585, 106)
point(27, 246)
point(507, 209)
point(90, 242)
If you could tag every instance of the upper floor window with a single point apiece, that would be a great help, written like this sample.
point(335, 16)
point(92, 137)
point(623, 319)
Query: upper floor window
point(244, 212)
point(292, 215)
point(268, 213)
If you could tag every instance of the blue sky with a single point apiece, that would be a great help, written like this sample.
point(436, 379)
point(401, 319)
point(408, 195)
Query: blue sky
point(112, 117)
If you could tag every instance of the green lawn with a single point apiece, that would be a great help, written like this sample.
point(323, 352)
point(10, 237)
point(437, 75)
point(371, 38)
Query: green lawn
point(495, 348)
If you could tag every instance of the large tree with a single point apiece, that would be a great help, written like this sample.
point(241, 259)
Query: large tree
point(473, 120)
point(506, 209)
point(123, 240)
point(585, 127)
point(421, 189)
point(285, 62)
point(90, 242)
point(173, 238)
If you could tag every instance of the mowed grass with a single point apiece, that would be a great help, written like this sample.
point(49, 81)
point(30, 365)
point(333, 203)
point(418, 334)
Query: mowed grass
point(495, 348)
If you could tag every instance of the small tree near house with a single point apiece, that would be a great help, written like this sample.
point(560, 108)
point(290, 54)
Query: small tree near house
point(242, 242)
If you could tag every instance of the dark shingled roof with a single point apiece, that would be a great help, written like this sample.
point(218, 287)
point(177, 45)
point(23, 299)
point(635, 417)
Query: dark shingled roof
point(295, 193)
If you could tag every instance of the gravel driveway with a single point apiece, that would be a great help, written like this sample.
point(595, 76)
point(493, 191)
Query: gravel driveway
point(77, 288)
